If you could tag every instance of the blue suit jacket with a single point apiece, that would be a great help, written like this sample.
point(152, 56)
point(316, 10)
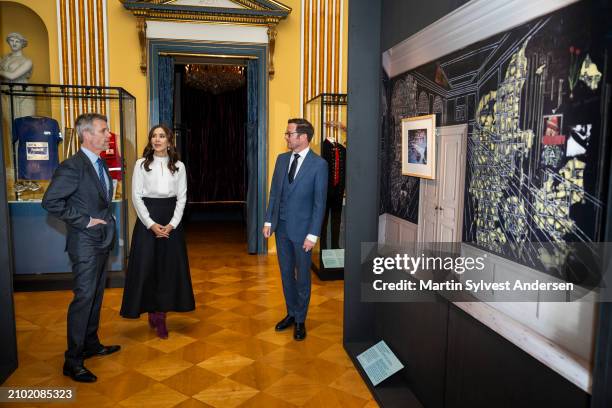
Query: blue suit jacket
point(307, 196)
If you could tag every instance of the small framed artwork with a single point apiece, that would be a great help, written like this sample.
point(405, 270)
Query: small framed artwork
point(419, 146)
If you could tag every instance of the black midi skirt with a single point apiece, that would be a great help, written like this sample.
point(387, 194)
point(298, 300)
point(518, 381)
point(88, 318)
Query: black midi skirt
point(158, 278)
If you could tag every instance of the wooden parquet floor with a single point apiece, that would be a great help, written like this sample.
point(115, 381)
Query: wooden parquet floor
point(225, 354)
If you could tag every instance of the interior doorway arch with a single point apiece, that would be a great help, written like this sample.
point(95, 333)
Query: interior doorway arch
point(258, 55)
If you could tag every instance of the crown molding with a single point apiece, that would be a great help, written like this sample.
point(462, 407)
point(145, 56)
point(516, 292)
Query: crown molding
point(473, 22)
point(154, 14)
point(254, 12)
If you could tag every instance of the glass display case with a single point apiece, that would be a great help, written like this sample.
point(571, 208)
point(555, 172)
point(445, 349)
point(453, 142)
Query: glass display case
point(327, 113)
point(38, 133)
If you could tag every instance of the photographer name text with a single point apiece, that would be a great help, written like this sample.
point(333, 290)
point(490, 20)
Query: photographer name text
point(470, 285)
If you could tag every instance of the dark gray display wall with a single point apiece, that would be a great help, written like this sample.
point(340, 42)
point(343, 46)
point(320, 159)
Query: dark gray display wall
point(532, 98)
point(403, 18)
point(8, 339)
point(364, 73)
point(450, 358)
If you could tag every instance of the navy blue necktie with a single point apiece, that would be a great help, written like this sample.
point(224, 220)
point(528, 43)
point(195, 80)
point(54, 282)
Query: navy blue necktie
point(293, 167)
point(100, 164)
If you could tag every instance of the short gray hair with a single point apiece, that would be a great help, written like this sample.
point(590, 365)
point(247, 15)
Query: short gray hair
point(84, 122)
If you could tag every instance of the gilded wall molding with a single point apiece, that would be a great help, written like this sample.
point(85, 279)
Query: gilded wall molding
point(259, 13)
point(271, 43)
point(323, 46)
point(83, 53)
point(205, 17)
point(253, 5)
point(141, 24)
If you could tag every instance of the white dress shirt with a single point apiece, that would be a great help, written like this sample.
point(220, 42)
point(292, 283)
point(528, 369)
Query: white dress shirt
point(303, 153)
point(93, 158)
point(159, 183)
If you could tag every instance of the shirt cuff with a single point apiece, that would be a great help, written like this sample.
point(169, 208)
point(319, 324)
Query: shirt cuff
point(312, 238)
point(149, 223)
point(89, 224)
point(267, 224)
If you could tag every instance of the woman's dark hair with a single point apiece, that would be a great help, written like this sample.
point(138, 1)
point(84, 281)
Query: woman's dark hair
point(148, 153)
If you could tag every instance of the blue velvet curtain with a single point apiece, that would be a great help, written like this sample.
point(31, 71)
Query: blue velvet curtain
point(165, 89)
point(251, 154)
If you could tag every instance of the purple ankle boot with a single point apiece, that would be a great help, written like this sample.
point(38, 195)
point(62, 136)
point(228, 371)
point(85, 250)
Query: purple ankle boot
point(162, 330)
point(153, 320)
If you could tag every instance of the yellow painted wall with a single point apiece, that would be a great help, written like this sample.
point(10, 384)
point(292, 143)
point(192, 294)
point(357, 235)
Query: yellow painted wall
point(284, 89)
point(124, 50)
point(124, 59)
point(13, 18)
point(124, 65)
point(124, 71)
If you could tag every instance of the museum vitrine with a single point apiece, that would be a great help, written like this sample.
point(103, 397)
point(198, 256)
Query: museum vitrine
point(327, 113)
point(38, 134)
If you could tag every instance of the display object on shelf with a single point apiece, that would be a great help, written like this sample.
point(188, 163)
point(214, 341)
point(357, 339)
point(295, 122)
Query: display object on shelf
point(37, 138)
point(17, 68)
point(38, 147)
point(112, 158)
point(327, 113)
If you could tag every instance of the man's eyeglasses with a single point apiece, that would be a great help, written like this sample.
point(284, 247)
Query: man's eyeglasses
point(288, 134)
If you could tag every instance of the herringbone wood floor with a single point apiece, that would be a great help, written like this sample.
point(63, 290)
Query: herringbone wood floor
point(224, 354)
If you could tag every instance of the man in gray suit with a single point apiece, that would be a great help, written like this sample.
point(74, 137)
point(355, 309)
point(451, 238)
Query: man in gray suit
point(295, 214)
point(80, 194)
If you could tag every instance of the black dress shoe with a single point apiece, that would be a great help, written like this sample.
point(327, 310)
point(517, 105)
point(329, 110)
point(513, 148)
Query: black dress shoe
point(79, 373)
point(285, 323)
point(103, 351)
point(299, 333)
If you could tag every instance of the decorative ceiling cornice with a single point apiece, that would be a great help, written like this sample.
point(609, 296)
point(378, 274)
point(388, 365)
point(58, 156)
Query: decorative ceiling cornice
point(252, 12)
point(255, 5)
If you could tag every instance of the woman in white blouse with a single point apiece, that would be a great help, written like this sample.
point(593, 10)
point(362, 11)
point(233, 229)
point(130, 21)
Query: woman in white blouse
point(158, 278)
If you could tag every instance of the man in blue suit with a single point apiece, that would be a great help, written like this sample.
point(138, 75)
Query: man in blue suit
point(295, 214)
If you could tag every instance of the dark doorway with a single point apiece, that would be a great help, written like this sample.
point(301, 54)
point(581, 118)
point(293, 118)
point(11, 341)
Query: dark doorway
point(210, 117)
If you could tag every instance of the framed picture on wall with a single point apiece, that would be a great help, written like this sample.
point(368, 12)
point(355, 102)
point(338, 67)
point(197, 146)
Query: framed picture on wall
point(419, 146)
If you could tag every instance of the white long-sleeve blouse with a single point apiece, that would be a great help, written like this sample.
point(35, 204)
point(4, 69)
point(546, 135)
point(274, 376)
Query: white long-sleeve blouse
point(159, 183)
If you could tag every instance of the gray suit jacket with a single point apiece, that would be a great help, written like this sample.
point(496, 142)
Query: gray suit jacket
point(76, 194)
point(307, 196)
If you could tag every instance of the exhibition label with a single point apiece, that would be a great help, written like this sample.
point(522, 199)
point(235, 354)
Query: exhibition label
point(379, 362)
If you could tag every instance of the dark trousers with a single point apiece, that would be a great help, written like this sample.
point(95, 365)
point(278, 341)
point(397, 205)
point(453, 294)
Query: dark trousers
point(294, 264)
point(89, 278)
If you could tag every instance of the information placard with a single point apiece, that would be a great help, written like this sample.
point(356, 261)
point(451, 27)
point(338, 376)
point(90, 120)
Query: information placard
point(333, 258)
point(379, 362)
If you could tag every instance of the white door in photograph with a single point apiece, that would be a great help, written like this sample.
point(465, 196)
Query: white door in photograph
point(428, 208)
point(441, 199)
